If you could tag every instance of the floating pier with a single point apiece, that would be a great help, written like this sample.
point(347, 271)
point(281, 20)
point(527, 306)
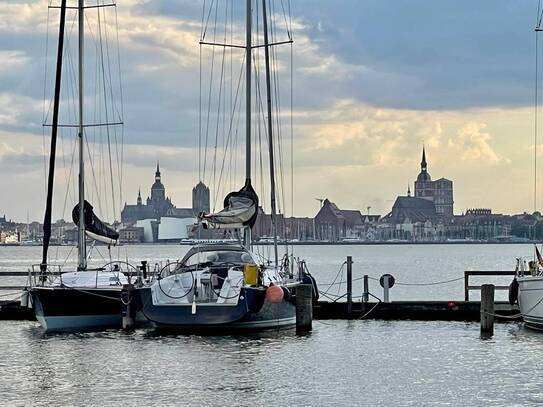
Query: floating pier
point(411, 310)
point(308, 308)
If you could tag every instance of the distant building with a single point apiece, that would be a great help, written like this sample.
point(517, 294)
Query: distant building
point(334, 224)
point(440, 192)
point(410, 209)
point(200, 198)
point(131, 234)
point(158, 205)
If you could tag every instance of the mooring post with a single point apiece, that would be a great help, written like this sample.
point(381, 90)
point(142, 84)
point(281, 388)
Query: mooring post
point(304, 308)
point(487, 309)
point(386, 288)
point(366, 293)
point(128, 311)
point(349, 284)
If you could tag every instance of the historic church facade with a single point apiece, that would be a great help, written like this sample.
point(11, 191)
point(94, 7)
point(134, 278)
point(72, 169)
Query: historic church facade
point(158, 205)
point(440, 191)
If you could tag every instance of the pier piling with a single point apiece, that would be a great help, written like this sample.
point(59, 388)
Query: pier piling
point(304, 308)
point(366, 293)
point(128, 311)
point(487, 309)
point(349, 285)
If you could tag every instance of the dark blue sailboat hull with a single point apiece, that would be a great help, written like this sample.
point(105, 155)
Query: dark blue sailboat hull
point(252, 312)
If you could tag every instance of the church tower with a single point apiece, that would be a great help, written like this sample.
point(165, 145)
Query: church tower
point(139, 202)
point(158, 192)
point(424, 187)
point(200, 198)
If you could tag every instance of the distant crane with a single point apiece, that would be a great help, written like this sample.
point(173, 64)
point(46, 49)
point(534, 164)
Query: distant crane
point(321, 200)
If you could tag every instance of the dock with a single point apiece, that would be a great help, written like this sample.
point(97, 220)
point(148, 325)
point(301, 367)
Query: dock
point(395, 310)
point(412, 310)
point(353, 308)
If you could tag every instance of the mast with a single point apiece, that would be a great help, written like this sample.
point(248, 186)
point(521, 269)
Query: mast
point(81, 246)
point(54, 132)
point(270, 135)
point(248, 67)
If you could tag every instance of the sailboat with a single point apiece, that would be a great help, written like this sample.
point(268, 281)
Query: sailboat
point(527, 286)
point(83, 298)
point(220, 287)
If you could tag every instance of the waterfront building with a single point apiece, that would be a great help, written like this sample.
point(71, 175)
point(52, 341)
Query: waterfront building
point(158, 205)
point(440, 192)
point(334, 224)
point(200, 198)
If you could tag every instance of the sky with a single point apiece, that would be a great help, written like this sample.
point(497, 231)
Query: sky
point(373, 81)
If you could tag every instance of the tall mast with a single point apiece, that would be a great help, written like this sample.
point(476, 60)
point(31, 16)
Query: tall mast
point(82, 250)
point(270, 134)
point(248, 67)
point(54, 132)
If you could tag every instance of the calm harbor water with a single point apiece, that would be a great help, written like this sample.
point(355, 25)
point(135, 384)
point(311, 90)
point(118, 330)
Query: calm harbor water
point(373, 363)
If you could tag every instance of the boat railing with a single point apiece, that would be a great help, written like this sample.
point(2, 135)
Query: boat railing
point(39, 276)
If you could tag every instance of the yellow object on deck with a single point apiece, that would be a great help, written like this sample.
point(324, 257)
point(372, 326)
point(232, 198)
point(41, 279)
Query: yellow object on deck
point(250, 274)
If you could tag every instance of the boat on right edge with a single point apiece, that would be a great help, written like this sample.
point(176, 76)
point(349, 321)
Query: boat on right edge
point(527, 290)
point(527, 286)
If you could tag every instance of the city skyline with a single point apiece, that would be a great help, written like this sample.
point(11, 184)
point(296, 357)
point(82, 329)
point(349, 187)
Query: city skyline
point(363, 107)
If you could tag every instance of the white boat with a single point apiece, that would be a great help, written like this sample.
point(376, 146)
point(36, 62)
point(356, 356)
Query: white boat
point(527, 286)
point(527, 290)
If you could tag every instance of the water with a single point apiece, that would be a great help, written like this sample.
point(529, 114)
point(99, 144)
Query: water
point(373, 363)
point(410, 264)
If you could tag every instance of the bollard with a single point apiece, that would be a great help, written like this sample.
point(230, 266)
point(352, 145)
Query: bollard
point(487, 309)
point(349, 285)
point(386, 288)
point(366, 293)
point(304, 308)
point(128, 311)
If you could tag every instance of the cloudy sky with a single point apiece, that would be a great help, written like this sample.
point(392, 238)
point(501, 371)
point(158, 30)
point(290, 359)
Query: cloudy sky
point(373, 80)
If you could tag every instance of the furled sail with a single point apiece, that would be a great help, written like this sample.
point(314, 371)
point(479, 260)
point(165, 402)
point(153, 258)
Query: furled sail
point(94, 227)
point(240, 210)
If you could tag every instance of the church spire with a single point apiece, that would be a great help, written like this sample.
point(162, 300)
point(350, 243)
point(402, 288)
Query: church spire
point(423, 165)
point(408, 190)
point(139, 196)
point(157, 173)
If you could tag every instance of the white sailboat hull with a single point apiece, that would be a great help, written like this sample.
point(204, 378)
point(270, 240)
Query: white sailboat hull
point(530, 299)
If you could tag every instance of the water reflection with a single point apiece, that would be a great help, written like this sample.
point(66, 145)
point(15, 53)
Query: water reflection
point(339, 363)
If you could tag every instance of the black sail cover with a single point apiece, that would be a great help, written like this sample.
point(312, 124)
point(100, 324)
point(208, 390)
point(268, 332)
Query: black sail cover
point(94, 227)
point(240, 210)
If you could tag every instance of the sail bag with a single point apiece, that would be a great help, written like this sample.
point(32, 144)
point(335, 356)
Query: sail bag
point(240, 210)
point(94, 227)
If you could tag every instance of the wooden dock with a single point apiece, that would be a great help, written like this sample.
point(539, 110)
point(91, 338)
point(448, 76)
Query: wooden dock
point(10, 309)
point(396, 310)
point(412, 310)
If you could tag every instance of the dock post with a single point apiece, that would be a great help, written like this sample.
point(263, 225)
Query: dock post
point(386, 288)
point(365, 295)
point(128, 307)
point(349, 285)
point(304, 308)
point(487, 309)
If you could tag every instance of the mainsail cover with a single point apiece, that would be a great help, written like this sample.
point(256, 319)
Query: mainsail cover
point(240, 210)
point(94, 227)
